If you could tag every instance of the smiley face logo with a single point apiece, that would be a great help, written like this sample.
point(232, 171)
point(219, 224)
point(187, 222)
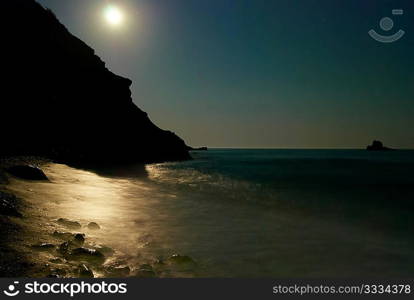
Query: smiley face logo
point(386, 24)
point(12, 291)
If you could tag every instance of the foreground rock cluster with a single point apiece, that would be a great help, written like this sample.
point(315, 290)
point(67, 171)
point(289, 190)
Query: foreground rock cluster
point(67, 250)
point(74, 256)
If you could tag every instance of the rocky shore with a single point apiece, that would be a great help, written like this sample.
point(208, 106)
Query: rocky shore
point(35, 244)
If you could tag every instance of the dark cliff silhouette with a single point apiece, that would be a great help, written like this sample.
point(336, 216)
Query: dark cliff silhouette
point(59, 100)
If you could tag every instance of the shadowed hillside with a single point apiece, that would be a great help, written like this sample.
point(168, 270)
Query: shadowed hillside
point(59, 100)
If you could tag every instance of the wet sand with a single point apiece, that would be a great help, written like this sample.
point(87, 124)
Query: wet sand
point(76, 226)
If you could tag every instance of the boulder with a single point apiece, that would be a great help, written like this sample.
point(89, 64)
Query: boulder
point(79, 238)
point(27, 172)
point(93, 226)
point(86, 254)
point(68, 223)
point(105, 250)
point(62, 235)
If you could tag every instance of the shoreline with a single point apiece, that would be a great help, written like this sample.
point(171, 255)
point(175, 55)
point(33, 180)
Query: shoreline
point(65, 230)
point(147, 218)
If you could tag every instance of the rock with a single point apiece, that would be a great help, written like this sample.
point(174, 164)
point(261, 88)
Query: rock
point(159, 263)
point(79, 238)
point(107, 251)
point(86, 254)
point(8, 205)
point(44, 247)
point(377, 146)
point(117, 271)
point(57, 273)
point(146, 267)
point(27, 172)
point(69, 223)
point(145, 271)
point(56, 260)
point(181, 259)
point(181, 263)
point(64, 248)
point(93, 226)
point(85, 272)
point(62, 235)
point(144, 274)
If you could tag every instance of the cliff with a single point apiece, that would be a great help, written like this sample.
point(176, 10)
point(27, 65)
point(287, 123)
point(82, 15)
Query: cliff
point(60, 101)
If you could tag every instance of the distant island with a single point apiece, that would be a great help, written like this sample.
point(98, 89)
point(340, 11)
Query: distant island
point(377, 146)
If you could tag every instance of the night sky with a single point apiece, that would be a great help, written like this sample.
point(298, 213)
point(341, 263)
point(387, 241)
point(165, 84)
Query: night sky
point(260, 73)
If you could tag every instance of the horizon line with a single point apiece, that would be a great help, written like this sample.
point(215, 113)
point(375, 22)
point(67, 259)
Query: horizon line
point(298, 148)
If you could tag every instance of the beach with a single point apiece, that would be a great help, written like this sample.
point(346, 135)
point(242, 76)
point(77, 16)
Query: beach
point(215, 216)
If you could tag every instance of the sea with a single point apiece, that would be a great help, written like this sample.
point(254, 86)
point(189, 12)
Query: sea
point(238, 213)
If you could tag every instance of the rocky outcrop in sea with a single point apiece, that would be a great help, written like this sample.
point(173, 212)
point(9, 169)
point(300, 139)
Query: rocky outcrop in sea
point(377, 146)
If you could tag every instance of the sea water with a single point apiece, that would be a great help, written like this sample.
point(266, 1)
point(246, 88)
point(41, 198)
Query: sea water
point(240, 213)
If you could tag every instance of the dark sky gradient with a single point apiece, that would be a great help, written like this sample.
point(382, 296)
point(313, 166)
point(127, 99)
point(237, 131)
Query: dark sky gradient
point(260, 73)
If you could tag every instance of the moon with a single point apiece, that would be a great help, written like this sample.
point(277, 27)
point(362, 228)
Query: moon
point(113, 15)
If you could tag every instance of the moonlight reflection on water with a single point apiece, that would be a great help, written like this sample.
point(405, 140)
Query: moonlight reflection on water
point(217, 225)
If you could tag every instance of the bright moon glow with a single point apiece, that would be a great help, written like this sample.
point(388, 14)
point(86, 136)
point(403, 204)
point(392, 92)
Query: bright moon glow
point(113, 15)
